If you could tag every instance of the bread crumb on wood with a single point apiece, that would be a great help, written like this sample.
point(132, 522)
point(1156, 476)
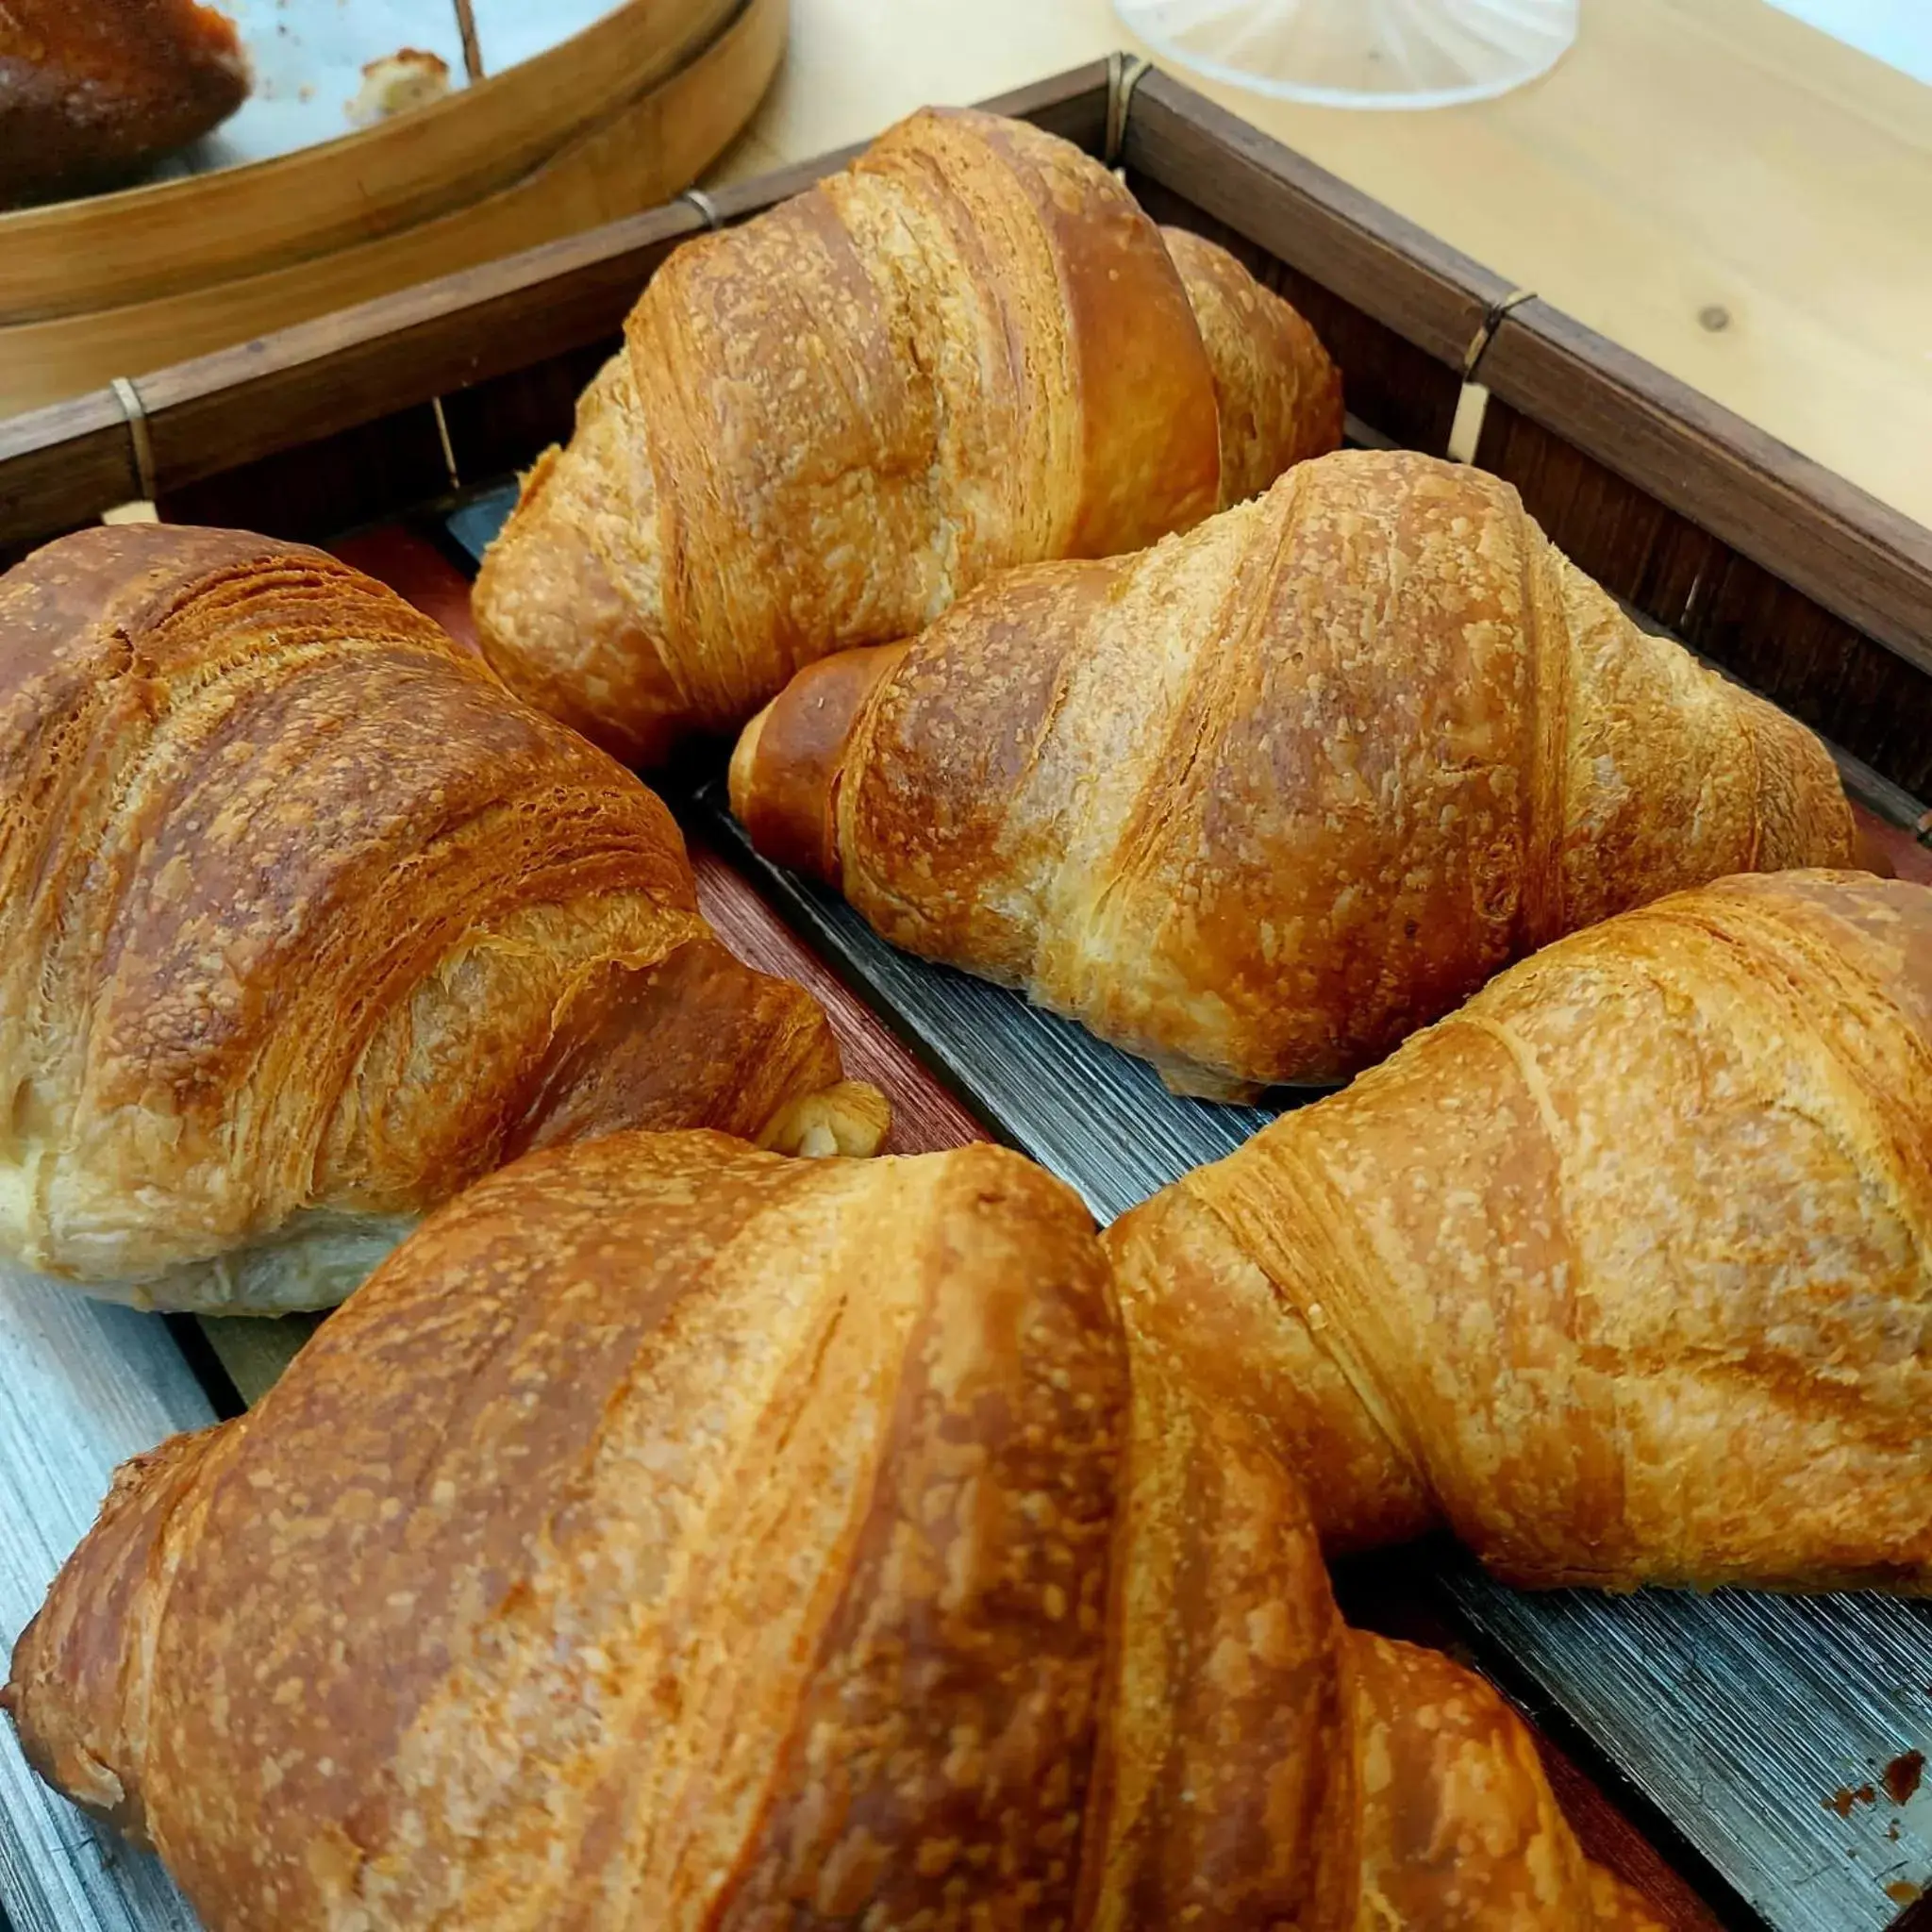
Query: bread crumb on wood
point(398, 83)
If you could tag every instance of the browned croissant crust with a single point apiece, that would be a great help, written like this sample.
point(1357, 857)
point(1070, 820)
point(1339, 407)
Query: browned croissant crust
point(305, 922)
point(1623, 1272)
point(92, 89)
point(670, 1536)
point(971, 350)
point(1258, 803)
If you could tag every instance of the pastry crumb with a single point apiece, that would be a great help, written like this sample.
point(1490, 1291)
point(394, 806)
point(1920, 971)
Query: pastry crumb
point(397, 84)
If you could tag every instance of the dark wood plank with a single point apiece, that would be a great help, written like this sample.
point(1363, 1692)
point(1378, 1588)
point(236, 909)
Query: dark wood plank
point(1402, 392)
point(1868, 698)
point(498, 427)
point(1855, 557)
point(368, 472)
point(59, 468)
point(1429, 293)
point(1851, 554)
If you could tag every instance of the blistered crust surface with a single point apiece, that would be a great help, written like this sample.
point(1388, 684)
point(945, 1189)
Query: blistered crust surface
point(300, 910)
point(1262, 800)
point(674, 1537)
point(1637, 1239)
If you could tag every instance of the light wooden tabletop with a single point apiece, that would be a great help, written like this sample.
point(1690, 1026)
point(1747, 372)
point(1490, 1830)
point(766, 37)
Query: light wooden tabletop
point(1714, 185)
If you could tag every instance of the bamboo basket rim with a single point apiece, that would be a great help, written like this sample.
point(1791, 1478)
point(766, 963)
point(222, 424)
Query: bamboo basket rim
point(139, 243)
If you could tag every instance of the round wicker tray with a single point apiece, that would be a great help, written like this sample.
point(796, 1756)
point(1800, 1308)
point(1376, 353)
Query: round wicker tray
point(619, 117)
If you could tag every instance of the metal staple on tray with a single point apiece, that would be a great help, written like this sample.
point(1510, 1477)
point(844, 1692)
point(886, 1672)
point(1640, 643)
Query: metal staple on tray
point(1125, 73)
point(1473, 403)
point(136, 412)
point(705, 206)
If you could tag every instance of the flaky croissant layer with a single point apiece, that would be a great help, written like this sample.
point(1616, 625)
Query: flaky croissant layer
point(1623, 1272)
point(305, 922)
point(968, 351)
point(673, 1537)
point(1258, 802)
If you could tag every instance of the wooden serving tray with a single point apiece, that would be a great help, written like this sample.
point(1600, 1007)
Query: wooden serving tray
point(1727, 1754)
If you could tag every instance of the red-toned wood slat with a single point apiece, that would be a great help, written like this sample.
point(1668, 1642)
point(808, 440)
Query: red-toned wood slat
point(925, 1117)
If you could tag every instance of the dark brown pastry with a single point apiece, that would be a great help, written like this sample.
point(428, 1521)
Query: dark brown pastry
point(90, 91)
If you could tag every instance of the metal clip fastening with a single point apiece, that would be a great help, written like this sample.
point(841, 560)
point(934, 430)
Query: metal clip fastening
point(1473, 404)
point(1125, 73)
point(136, 412)
point(705, 206)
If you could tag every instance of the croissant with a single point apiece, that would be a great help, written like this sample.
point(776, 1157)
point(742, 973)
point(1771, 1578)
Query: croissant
point(1260, 801)
point(738, 1542)
point(969, 350)
point(305, 922)
point(89, 94)
point(1622, 1272)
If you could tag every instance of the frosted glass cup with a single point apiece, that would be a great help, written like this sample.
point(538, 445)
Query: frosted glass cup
point(1360, 52)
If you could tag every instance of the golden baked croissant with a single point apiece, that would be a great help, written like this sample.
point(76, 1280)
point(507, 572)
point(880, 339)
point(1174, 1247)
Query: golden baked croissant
point(1623, 1272)
point(305, 922)
point(969, 350)
point(669, 1535)
point(1260, 801)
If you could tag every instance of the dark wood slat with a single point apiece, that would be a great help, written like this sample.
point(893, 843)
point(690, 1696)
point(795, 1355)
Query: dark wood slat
point(59, 468)
point(318, 377)
point(1403, 392)
point(497, 426)
point(356, 476)
point(1857, 557)
point(1428, 292)
point(62, 465)
point(1869, 699)
point(1852, 554)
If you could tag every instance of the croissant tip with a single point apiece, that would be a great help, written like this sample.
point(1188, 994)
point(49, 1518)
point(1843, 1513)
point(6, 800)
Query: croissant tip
point(743, 759)
point(851, 1119)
